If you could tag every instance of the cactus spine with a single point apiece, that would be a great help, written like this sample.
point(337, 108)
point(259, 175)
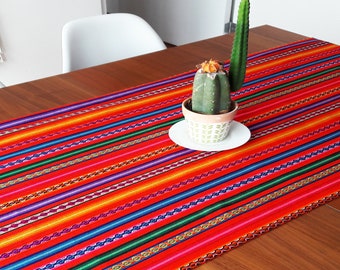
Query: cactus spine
point(212, 85)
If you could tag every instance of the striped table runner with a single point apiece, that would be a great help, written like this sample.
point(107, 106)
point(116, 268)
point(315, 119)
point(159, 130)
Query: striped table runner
point(99, 184)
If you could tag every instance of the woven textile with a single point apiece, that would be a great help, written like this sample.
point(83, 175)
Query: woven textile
point(99, 184)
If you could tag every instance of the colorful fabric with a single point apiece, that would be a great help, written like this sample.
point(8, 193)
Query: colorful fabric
point(99, 184)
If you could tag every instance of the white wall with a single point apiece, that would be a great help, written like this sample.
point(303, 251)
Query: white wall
point(312, 18)
point(30, 35)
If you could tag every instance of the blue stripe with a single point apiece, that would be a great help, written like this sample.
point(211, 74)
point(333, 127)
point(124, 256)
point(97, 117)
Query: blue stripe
point(288, 115)
point(86, 133)
point(284, 48)
point(290, 70)
point(130, 217)
point(279, 49)
point(92, 185)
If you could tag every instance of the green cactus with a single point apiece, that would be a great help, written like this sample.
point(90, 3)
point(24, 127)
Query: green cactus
point(238, 60)
point(211, 92)
point(212, 85)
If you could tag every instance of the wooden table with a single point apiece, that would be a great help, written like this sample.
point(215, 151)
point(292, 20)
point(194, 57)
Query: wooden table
point(30, 97)
point(309, 242)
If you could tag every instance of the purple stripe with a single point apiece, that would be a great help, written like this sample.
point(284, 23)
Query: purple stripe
point(92, 185)
point(90, 102)
point(294, 113)
point(281, 48)
point(285, 47)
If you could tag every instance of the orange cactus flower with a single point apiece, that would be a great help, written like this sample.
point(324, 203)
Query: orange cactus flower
point(211, 66)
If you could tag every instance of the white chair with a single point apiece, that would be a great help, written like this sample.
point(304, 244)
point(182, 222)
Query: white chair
point(106, 38)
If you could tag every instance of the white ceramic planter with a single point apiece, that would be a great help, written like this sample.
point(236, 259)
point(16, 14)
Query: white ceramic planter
point(207, 129)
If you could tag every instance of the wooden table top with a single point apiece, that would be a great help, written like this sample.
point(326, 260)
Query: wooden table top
point(34, 96)
point(309, 242)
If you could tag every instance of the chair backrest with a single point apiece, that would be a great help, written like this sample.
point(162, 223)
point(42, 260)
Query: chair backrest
point(106, 38)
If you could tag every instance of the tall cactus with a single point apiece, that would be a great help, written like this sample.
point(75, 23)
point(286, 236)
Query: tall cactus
point(212, 85)
point(238, 60)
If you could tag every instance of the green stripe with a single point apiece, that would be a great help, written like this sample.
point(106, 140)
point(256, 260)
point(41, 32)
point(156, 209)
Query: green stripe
point(85, 149)
point(106, 256)
point(260, 93)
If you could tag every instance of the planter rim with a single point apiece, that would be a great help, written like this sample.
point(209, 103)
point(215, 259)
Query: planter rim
point(208, 118)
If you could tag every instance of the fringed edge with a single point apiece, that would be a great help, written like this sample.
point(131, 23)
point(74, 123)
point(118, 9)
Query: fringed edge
point(256, 233)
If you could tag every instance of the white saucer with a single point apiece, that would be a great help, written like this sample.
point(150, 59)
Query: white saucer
point(238, 135)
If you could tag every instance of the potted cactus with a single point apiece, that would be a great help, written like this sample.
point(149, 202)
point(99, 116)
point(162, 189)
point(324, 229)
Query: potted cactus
point(210, 110)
